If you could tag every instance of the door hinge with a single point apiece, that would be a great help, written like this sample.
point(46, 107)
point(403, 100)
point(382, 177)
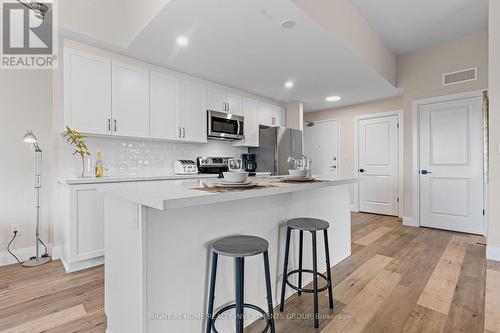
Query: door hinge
point(398, 199)
point(484, 212)
point(398, 125)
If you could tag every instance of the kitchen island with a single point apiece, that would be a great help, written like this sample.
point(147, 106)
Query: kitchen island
point(158, 238)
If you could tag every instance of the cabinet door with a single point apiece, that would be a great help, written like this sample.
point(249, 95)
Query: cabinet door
point(87, 224)
point(130, 101)
point(165, 107)
point(251, 126)
point(216, 100)
point(235, 104)
point(278, 116)
point(266, 113)
point(87, 92)
point(193, 113)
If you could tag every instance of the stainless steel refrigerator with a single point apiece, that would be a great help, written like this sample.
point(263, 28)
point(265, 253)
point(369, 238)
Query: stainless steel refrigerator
point(276, 144)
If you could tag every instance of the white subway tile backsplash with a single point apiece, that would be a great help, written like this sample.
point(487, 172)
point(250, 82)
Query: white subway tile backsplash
point(143, 157)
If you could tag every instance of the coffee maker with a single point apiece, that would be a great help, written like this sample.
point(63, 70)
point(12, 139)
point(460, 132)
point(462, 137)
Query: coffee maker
point(249, 163)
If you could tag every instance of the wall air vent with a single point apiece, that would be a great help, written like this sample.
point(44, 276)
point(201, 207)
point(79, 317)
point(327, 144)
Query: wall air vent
point(465, 75)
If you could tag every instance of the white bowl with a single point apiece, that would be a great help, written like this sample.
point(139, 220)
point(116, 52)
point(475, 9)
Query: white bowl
point(235, 176)
point(298, 173)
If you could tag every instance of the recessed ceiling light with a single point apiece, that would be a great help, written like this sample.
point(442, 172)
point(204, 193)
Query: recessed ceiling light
point(289, 84)
point(182, 41)
point(333, 98)
point(288, 24)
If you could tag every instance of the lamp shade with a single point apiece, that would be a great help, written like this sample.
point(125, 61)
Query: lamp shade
point(29, 137)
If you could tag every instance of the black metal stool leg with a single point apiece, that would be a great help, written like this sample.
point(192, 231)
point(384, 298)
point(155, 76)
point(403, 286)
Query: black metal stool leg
point(239, 264)
point(269, 292)
point(211, 296)
point(285, 268)
point(315, 279)
point(301, 245)
point(328, 269)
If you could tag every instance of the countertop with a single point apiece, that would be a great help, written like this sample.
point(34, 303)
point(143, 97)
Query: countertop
point(138, 178)
point(183, 193)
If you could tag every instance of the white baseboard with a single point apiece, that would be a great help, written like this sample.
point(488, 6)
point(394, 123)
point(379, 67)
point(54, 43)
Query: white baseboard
point(25, 253)
point(354, 209)
point(409, 221)
point(493, 253)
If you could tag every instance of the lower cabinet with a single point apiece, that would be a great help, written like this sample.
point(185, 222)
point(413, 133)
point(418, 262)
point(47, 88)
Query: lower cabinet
point(80, 231)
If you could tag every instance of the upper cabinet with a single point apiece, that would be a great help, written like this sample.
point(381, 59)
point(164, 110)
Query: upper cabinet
point(165, 107)
point(193, 112)
point(130, 94)
point(106, 97)
point(87, 92)
point(251, 126)
point(271, 115)
point(218, 100)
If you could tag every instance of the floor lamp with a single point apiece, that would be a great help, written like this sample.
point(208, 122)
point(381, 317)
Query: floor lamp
point(37, 260)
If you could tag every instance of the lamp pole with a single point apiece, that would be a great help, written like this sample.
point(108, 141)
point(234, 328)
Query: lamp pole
point(37, 260)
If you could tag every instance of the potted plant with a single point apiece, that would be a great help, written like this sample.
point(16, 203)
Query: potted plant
point(81, 150)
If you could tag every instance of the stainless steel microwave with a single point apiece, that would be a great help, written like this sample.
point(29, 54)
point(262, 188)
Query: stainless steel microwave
point(225, 126)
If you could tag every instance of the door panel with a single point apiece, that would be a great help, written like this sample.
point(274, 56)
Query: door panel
point(451, 146)
point(216, 100)
point(379, 161)
point(87, 92)
point(165, 107)
point(130, 101)
point(321, 146)
point(194, 115)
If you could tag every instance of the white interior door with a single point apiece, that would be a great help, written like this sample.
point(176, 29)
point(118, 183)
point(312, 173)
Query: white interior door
point(378, 160)
point(451, 165)
point(321, 145)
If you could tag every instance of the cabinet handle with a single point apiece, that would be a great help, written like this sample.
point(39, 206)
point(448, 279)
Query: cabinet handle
point(115, 123)
point(180, 132)
point(183, 132)
point(227, 107)
point(109, 124)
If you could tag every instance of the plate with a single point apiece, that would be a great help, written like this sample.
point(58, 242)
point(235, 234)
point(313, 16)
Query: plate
point(225, 182)
point(297, 179)
point(235, 185)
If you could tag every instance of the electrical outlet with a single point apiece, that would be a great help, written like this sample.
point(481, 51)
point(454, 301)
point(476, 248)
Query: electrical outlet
point(14, 228)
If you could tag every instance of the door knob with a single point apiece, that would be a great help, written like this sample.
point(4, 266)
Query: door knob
point(361, 170)
point(424, 172)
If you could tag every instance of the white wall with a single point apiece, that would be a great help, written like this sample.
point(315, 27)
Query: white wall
point(420, 76)
point(493, 240)
point(25, 103)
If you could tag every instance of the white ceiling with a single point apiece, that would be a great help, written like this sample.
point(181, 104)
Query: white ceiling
point(242, 44)
point(409, 25)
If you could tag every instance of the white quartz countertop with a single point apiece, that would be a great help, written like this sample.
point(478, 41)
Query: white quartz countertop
point(139, 178)
point(183, 193)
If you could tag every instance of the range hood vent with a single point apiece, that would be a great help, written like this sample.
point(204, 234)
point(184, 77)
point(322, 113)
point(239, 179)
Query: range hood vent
point(465, 75)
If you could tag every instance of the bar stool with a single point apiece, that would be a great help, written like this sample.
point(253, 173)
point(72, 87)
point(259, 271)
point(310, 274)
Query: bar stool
point(240, 247)
point(312, 225)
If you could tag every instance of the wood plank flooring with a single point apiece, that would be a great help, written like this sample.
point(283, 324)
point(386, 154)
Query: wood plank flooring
point(399, 279)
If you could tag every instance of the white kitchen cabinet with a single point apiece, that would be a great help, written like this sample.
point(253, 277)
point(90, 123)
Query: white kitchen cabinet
point(130, 107)
point(251, 126)
point(271, 115)
point(80, 232)
point(87, 92)
point(193, 112)
point(219, 100)
point(165, 107)
point(234, 104)
point(216, 100)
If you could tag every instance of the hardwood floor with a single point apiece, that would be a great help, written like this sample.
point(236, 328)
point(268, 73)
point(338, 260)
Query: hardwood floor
point(399, 279)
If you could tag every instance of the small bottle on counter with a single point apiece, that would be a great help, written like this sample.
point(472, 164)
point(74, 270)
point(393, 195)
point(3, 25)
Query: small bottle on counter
point(99, 167)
